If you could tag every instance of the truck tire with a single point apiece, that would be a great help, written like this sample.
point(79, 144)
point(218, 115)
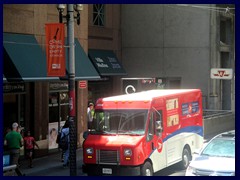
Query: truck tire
point(146, 169)
point(186, 158)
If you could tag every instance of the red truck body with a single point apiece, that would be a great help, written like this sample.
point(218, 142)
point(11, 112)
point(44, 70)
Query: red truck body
point(142, 133)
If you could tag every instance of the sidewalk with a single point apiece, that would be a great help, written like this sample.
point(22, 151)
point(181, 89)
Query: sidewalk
point(51, 165)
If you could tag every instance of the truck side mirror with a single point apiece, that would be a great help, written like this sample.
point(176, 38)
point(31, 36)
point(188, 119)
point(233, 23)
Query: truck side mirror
point(158, 126)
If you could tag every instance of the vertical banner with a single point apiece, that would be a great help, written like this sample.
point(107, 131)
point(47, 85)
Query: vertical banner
point(55, 49)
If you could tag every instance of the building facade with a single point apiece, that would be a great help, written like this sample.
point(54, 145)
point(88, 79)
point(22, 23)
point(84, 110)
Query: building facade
point(178, 45)
point(40, 103)
point(147, 46)
point(104, 33)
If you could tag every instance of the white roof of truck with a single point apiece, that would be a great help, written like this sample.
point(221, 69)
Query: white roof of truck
point(147, 95)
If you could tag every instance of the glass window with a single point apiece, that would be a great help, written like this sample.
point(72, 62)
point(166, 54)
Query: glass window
point(10, 109)
point(120, 121)
point(220, 147)
point(13, 111)
point(151, 127)
point(53, 107)
point(22, 110)
point(157, 121)
point(64, 106)
point(58, 106)
point(98, 14)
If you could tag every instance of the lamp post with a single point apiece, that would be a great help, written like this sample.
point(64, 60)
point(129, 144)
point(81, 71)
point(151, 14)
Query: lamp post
point(71, 78)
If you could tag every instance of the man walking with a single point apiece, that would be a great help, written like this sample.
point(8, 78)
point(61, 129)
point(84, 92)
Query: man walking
point(14, 141)
point(65, 145)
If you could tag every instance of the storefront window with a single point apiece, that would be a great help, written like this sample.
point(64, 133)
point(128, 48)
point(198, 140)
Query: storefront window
point(58, 114)
point(53, 108)
point(22, 110)
point(64, 106)
point(14, 110)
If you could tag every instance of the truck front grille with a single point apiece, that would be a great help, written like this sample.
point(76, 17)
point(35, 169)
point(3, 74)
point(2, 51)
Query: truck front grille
point(108, 157)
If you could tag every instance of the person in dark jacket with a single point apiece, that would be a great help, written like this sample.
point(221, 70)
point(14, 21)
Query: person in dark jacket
point(65, 131)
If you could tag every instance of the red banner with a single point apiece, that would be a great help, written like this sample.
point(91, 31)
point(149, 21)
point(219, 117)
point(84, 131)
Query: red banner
point(55, 49)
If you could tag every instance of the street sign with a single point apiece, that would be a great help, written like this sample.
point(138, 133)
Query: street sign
point(221, 73)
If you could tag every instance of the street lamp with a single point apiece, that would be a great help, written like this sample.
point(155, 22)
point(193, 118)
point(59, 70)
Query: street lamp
point(61, 8)
point(71, 77)
point(77, 8)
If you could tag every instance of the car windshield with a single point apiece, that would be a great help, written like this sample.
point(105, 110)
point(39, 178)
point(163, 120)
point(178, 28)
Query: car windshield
point(220, 147)
point(131, 122)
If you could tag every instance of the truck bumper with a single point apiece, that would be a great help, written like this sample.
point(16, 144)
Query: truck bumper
point(110, 170)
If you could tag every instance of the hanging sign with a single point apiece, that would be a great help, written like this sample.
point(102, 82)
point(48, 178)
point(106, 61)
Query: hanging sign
point(55, 49)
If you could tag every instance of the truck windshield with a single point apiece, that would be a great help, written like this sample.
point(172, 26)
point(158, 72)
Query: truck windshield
point(131, 122)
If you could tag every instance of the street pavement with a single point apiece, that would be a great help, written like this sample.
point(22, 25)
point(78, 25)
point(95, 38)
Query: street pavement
point(51, 165)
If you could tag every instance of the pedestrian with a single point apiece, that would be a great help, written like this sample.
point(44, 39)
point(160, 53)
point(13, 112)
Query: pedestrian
point(14, 141)
point(65, 132)
point(90, 115)
point(58, 141)
point(29, 144)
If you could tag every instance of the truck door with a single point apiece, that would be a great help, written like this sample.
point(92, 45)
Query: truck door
point(155, 139)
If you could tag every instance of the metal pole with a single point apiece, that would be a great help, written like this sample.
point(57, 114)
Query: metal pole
point(71, 58)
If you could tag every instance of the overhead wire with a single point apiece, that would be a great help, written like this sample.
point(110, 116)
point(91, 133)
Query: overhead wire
point(204, 7)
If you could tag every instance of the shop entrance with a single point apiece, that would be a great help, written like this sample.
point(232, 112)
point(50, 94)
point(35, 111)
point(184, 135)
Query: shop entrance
point(58, 114)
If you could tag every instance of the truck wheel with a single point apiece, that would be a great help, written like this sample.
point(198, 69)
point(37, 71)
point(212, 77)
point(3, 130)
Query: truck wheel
point(186, 157)
point(147, 169)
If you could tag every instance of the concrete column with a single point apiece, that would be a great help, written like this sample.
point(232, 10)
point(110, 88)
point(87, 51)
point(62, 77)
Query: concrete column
point(213, 95)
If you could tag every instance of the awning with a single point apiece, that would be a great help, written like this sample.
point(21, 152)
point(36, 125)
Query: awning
point(23, 59)
point(84, 70)
point(106, 62)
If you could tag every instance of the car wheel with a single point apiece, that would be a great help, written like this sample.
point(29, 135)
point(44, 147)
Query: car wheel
point(147, 169)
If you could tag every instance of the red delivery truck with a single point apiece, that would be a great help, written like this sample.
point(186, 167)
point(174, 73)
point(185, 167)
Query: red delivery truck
point(144, 132)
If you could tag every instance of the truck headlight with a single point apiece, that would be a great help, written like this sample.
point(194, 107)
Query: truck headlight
point(89, 151)
point(127, 152)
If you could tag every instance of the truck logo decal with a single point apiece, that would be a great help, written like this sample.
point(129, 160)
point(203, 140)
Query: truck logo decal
point(190, 108)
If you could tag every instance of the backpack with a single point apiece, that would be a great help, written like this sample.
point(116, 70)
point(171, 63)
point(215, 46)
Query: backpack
point(63, 143)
